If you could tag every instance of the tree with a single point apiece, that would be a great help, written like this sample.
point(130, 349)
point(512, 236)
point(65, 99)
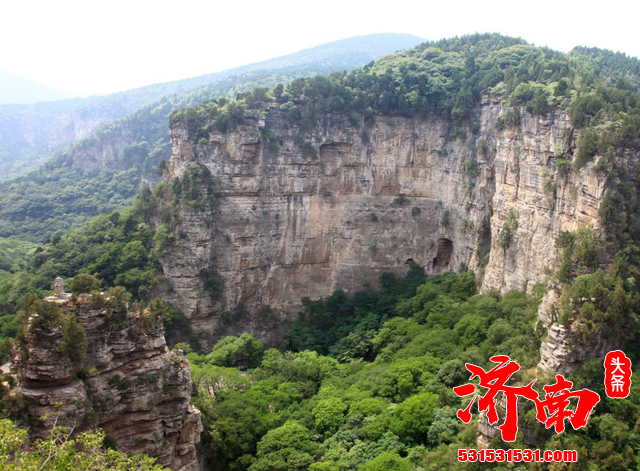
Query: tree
point(412, 418)
point(588, 144)
point(244, 350)
point(61, 452)
point(286, 448)
point(445, 426)
point(84, 283)
point(561, 88)
point(235, 428)
point(388, 461)
point(74, 342)
point(329, 414)
point(471, 329)
point(39, 317)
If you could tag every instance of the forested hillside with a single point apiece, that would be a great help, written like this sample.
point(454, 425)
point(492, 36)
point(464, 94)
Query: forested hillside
point(382, 399)
point(31, 134)
point(449, 78)
point(25, 131)
point(119, 154)
point(363, 380)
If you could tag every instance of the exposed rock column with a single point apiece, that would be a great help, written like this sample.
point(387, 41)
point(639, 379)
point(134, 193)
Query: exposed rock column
point(134, 387)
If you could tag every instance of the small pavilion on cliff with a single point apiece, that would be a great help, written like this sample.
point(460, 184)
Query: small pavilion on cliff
point(60, 297)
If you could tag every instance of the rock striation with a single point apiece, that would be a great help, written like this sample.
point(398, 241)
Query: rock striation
point(131, 385)
point(304, 212)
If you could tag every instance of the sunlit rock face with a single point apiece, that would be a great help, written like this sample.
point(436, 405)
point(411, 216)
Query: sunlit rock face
point(305, 212)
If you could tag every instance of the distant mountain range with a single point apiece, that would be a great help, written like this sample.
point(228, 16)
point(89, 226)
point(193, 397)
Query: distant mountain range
point(98, 151)
point(30, 134)
point(14, 89)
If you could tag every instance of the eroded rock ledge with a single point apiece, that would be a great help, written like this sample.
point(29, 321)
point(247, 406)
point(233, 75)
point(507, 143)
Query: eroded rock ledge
point(133, 387)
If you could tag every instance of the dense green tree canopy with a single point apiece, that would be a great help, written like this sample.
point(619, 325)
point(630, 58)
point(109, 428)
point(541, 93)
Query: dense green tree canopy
point(392, 407)
point(64, 453)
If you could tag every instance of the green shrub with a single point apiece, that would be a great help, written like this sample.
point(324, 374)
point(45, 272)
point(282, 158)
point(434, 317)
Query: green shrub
point(90, 451)
point(445, 220)
point(563, 166)
point(400, 200)
point(588, 143)
point(74, 342)
point(511, 118)
point(114, 380)
point(38, 317)
point(84, 283)
point(549, 187)
point(308, 151)
point(508, 229)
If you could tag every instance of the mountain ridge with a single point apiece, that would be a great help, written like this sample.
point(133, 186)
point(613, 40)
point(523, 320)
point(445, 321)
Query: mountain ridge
point(19, 90)
point(69, 126)
point(103, 171)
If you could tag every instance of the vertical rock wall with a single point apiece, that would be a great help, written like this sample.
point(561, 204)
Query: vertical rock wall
point(335, 206)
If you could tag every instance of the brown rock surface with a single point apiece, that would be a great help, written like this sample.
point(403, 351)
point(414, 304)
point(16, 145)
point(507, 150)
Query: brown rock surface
point(368, 199)
point(136, 390)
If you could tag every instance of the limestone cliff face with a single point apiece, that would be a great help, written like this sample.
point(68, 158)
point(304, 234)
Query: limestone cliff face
point(307, 212)
point(80, 122)
point(526, 183)
point(135, 389)
point(103, 150)
point(563, 352)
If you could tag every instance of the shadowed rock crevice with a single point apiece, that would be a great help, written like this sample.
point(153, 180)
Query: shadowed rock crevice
point(442, 260)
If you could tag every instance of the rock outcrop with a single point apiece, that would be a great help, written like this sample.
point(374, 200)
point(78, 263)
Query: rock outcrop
point(131, 385)
point(305, 212)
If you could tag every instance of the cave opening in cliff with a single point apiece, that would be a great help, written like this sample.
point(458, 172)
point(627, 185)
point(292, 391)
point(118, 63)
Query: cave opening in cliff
point(443, 253)
point(407, 266)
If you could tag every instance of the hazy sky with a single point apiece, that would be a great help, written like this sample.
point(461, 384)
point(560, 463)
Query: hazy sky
point(107, 46)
